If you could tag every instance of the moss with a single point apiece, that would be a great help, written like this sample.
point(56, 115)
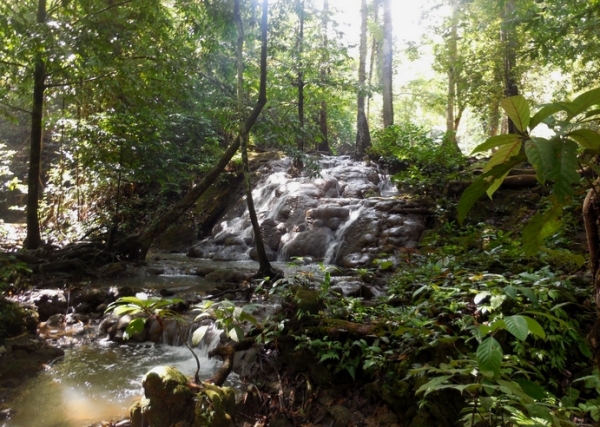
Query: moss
point(215, 407)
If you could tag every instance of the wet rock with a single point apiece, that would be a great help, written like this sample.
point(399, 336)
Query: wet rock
point(221, 275)
point(313, 243)
point(49, 302)
point(343, 416)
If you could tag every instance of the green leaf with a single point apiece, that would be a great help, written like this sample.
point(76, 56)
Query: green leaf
point(481, 184)
point(540, 153)
point(432, 385)
point(497, 141)
point(534, 327)
point(530, 294)
point(517, 325)
point(540, 227)
point(532, 389)
point(517, 109)
point(585, 101)
point(489, 356)
point(564, 173)
point(544, 112)
point(136, 326)
point(510, 291)
point(236, 333)
point(198, 335)
point(501, 156)
point(587, 138)
point(585, 349)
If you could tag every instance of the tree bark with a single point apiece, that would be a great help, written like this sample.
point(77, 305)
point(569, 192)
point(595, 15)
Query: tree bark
point(375, 51)
point(363, 137)
point(300, 77)
point(136, 247)
point(323, 145)
point(452, 120)
point(33, 239)
point(388, 101)
point(591, 219)
point(508, 37)
point(265, 269)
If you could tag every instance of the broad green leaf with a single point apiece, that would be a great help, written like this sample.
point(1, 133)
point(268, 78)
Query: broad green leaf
point(586, 100)
point(547, 110)
point(540, 227)
point(433, 384)
point(236, 333)
point(135, 327)
point(517, 109)
point(510, 291)
point(514, 388)
point(501, 156)
point(198, 335)
point(489, 356)
point(497, 141)
point(534, 327)
point(530, 294)
point(532, 389)
point(539, 412)
point(540, 153)
point(517, 325)
point(496, 301)
point(247, 317)
point(587, 138)
point(481, 184)
point(564, 171)
point(585, 349)
point(125, 309)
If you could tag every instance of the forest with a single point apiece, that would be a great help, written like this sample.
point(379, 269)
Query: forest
point(299, 212)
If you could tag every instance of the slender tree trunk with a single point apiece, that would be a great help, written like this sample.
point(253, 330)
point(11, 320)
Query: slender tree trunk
point(323, 145)
point(363, 137)
point(265, 269)
point(33, 239)
point(508, 37)
point(451, 122)
point(375, 52)
point(388, 100)
point(136, 247)
point(300, 82)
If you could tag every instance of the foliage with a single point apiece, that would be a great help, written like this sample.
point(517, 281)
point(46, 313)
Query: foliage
point(556, 160)
point(228, 317)
point(424, 163)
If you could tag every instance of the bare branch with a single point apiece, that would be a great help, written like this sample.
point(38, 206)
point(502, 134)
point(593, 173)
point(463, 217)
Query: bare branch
point(12, 107)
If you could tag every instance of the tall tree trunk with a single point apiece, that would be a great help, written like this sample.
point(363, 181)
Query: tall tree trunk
point(265, 269)
point(451, 119)
point(388, 100)
point(323, 145)
point(33, 239)
point(136, 247)
point(375, 52)
point(508, 36)
point(300, 77)
point(363, 137)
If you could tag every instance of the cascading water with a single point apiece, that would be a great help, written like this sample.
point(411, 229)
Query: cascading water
point(347, 215)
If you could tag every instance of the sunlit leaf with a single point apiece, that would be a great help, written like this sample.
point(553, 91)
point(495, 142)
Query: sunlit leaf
point(587, 138)
point(534, 327)
point(136, 326)
point(517, 109)
point(433, 384)
point(497, 141)
point(500, 157)
point(199, 334)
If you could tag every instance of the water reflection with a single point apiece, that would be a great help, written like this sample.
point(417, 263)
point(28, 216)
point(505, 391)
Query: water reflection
point(96, 382)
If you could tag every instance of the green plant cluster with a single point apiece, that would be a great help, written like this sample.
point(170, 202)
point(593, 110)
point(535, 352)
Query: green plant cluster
point(12, 315)
point(418, 161)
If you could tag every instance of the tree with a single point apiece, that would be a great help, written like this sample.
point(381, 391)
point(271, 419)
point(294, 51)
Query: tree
point(509, 41)
point(300, 74)
point(265, 269)
point(363, 137)
point(323, 139)
point(136, 246)
point(387, 71)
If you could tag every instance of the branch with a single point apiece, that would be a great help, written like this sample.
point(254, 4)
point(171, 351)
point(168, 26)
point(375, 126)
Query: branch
point(112, 6)
point(16, 64)
point(91, 79)
point(12, 107)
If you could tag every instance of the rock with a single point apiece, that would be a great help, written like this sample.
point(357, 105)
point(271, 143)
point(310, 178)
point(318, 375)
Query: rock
point(167, 399)
point(49, 302)
point(313, 242)
point(342, 415)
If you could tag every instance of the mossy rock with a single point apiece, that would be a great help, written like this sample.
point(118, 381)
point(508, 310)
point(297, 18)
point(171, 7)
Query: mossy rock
point(215, 406)
point(167, 399)
point(307, 300)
